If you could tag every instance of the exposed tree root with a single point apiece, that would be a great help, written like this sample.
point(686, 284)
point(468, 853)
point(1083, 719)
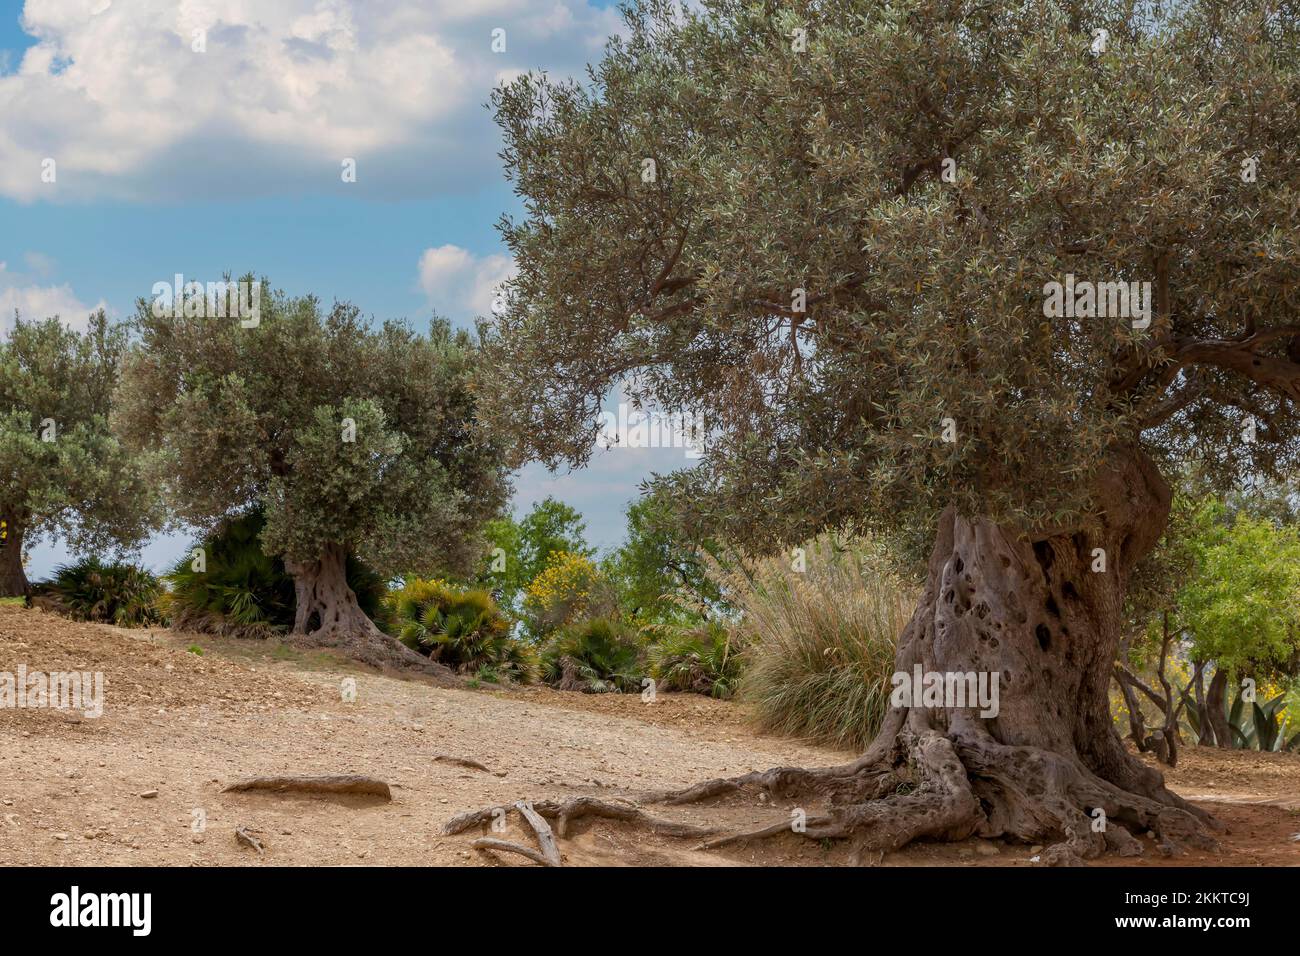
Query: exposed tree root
point(930, 787)
point(505, 846)
point(348, 784)
point(942, 805)
point(361, 641)
point(565, 812)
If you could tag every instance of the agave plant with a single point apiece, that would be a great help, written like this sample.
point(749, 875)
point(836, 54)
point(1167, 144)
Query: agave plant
point(1253, 726)
point(1269, 726)
point(463, 629)
point(91, 590)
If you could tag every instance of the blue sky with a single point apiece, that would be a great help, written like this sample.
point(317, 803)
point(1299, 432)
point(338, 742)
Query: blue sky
point(212, 141)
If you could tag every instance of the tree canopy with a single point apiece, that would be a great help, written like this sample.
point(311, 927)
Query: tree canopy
point(62, 473)
point(353, 439)
point(832, 230)
point(1241, 606)
point(660, 574)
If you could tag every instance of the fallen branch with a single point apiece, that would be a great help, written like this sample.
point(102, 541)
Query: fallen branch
point(461, 762)
point(545, 838)
point(505, 846)
point(247, 837)
point(345, 784)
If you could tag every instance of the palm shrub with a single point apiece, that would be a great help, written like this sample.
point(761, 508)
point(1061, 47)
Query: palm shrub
point(594, 655)
point(463, 629)
point(112, 593)
point(819, 642)
point(700, 659)
point(242, 591)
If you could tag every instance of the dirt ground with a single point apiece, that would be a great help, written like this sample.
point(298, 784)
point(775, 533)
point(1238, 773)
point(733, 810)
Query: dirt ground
point(141, 785)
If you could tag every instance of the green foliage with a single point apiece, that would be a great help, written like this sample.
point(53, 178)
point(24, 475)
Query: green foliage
point(595, 655)
point(463, 629)
point(1241, 605)
point(818, 645)
point(659, 572)
point(110, 593)
point(243, 591)
point(345, 434)
point(699, 659)
point(526, 547)
point(779, 169)
point(62, 473)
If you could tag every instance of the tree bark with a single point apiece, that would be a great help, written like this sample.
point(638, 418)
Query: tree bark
point(13, 579)
point(1205, 737)
point(1169, 753)
point(1214, 709)
point(1049, 767)
point(327, 615)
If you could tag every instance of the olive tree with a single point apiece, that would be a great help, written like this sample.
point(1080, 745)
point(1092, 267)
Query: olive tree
point(62, 473)
point(993, 269)
point(351, 439)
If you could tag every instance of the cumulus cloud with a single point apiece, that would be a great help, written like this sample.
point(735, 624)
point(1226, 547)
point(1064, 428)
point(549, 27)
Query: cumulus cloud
point(215, 99)
point(34, 301)
point(458, 283)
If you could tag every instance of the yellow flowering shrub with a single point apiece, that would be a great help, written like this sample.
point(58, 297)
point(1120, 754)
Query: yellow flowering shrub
point(563, 591)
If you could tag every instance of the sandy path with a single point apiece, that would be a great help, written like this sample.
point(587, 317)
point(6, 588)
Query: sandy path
point(185, 725)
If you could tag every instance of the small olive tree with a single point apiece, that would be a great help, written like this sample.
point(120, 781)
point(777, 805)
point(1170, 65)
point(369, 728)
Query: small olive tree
point(62, 473)
point(351, 438)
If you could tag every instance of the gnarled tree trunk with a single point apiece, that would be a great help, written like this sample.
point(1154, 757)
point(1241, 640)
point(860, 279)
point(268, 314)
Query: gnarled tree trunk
point(1049, 767)
point(13, 579)
point(327, 614)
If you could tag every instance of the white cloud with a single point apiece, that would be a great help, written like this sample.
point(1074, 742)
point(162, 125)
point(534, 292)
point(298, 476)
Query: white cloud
point(36, 302)
point(283, 93)
point(460, 284)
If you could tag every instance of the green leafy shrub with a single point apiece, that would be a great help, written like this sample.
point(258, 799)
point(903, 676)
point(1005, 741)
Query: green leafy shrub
point(819, 643)
point(91, 590)
point(242, 591)
point(699, 660)
point(463, 629)
point(595, 656)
